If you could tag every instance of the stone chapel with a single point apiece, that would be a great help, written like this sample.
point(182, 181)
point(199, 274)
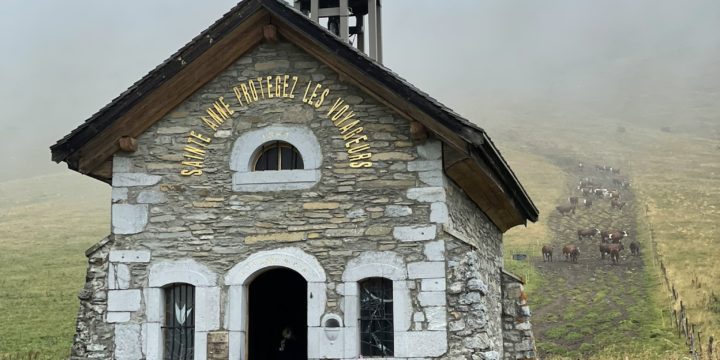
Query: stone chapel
point(277, 193)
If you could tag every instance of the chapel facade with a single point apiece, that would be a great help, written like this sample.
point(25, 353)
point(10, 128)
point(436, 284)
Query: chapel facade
point(278, 194)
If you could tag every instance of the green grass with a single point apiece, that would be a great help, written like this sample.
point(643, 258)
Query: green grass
point(544, 182)
point(46, 223)
point(597, 319)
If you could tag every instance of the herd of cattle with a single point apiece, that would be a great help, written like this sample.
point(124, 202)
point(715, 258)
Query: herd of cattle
point(610, 241)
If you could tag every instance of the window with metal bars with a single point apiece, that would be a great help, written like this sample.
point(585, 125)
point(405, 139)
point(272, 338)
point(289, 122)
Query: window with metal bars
point(278, 155)
point(179, 329)
point(376, 317)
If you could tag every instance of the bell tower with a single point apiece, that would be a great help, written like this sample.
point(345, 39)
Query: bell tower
point(365, 35)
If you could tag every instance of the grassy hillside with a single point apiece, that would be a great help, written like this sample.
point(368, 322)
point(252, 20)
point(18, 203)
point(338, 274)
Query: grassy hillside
point(545, 182)
point(681, 187)
point(46, 224)
point(581, 309)
point(676, 176)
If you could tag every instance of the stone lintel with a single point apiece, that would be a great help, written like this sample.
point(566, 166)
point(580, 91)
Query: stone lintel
point(130, 256)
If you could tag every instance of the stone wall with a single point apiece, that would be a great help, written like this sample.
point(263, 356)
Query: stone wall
point(474, 282)
point(93, 336)
point(401, 219)
point(519, 342)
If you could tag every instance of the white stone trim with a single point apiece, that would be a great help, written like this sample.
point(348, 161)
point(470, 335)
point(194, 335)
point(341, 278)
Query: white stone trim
point(127, 341)
point(129, 256)
point(425, 344)
point(181, 271)
point(239, 277)
point(118, 276)
point(289, 257)
point(375, 264)
point(128, 218)
point(207, 303)
point(245, 149)
point(123, 300)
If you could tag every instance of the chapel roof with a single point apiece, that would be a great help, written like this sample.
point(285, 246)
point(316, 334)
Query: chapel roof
point(471, 159)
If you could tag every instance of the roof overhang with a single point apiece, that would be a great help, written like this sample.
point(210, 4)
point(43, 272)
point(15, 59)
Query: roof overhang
point(471, 159)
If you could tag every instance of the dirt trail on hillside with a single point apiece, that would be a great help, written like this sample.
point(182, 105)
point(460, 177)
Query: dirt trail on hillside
point(583, 306)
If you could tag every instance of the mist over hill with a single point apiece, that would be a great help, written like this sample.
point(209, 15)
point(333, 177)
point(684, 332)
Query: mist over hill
point(653, 63)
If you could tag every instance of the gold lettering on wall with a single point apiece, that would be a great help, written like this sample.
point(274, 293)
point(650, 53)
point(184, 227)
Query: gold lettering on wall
point(248, 92)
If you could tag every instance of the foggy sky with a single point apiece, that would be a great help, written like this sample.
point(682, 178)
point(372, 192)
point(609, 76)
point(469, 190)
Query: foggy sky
point(654, 62)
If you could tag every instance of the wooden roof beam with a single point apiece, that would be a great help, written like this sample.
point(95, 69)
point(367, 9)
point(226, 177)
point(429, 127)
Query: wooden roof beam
point(174, 91)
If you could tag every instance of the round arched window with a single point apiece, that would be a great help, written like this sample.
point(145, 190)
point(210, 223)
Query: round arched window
point(278, 155)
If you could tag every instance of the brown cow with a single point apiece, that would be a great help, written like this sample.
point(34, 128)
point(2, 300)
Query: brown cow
point(617, 204)
point(635, 248)
point(571, 252)
point(608, 235)
point(616, 236)
point(547, 251)
point(574, 254)
point(604, 236)
point(565, 209)
point(615, 252)
point(604, 250)
point(583, 233)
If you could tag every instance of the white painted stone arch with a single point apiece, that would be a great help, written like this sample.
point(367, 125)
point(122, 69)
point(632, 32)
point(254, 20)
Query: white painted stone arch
point(207, 303)
point(239, 277)
point(289, 257)
point(387, 265)
point(180, 271)
point(375, 264)
point(244, 152)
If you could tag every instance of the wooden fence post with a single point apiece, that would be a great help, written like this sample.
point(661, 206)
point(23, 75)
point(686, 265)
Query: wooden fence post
point(692, 341)
point(710, 348)
point(699, 342)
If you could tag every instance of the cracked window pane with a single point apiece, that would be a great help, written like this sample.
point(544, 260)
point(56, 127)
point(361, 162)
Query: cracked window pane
point(376, 317)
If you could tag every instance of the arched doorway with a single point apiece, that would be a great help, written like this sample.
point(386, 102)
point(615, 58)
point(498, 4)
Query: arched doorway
point(277, 316)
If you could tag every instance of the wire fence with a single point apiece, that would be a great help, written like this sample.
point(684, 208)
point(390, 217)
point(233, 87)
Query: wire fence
point(681, 320)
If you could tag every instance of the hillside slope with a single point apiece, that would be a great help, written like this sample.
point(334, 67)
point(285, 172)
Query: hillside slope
point(675, 176)
point(46, 224)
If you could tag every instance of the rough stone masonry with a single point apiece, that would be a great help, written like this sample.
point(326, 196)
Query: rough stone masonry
point(402, 219)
